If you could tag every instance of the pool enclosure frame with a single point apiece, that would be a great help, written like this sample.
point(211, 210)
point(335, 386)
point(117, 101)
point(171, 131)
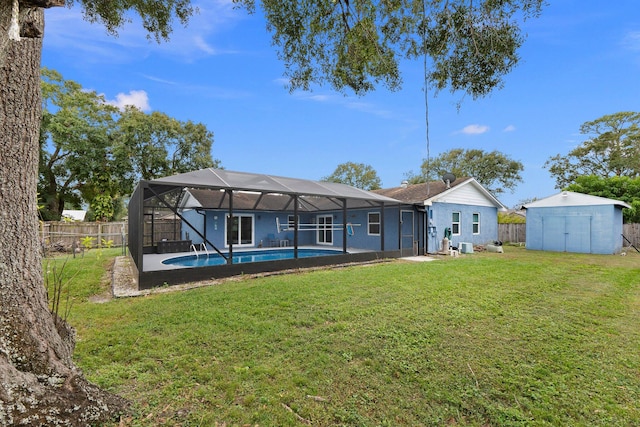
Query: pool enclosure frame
point(232, 192)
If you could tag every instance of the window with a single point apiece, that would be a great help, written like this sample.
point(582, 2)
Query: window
point(241, 231)
point(455, 223)
point(476, 223)
point(374, 224)
point(290, 221)
point(325, 230)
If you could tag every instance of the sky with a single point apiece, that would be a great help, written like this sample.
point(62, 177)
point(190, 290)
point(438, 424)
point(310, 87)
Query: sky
point(580, 61)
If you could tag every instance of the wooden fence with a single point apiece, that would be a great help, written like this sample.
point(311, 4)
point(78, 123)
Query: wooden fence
point(65, 236)
point(513, 233)
point(517, 233)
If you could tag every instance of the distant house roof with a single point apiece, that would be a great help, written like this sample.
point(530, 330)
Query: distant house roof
point(75, 215)
point(438, 191)
point(569, 198)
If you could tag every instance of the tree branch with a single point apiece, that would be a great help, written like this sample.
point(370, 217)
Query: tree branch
point(42, 3)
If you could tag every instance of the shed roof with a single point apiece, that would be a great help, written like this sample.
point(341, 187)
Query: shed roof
point(570, 198)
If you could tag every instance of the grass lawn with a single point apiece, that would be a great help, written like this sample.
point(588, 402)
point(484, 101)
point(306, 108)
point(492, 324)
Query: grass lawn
point(516, 339)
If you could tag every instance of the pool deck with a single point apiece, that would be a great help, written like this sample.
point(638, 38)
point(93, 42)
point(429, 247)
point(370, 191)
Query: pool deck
point(153, 262)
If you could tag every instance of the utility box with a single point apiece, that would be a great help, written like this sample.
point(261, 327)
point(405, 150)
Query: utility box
point(466, 248)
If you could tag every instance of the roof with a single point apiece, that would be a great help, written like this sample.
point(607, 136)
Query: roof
point(75, 215)
point(437, 191)
point(267, 185)
point(570, 198)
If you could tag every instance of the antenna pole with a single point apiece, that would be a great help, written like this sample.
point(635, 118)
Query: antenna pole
point(426, 93)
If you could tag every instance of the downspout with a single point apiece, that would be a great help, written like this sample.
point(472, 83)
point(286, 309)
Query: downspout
point(344, 226)
point(382, 228)
point(230, 227)
point(295, 226)
point(204, 220)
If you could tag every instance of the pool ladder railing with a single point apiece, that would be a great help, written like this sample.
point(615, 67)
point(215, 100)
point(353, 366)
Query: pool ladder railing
point(202, 247)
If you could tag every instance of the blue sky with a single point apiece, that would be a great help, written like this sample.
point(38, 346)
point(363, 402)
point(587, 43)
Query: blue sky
point(581, 60)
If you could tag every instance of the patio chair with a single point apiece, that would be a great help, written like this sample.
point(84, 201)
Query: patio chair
point(272, 240)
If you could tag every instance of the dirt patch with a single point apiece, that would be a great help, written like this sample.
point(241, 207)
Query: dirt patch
point(124, 284)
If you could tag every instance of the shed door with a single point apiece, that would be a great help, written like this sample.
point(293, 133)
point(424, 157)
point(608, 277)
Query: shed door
point(578, 234)
point(566, 234)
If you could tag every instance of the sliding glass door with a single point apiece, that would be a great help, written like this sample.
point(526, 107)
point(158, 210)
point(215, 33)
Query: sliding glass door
point(241, 230)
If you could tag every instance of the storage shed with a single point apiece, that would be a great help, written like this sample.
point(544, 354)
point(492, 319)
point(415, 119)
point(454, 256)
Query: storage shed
point(575, 222)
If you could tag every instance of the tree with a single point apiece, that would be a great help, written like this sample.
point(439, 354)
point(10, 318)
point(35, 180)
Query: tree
point(357, 175)
point(40, 384)
point(75, 144)
point(472, 45)
point(613, 149)
point(91, 152)
point(157, 145)
point(615, 187)
point(496, 171)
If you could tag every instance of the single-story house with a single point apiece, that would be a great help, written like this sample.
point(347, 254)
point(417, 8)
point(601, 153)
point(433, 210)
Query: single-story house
point(462, 210)
point(575, 222)
point(215, 223)
point(224, 217)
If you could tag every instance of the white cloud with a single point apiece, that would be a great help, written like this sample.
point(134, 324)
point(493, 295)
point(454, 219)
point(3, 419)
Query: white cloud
point(137, 98)
point(68, 31)
point(632, 40)
point(205, 47)
point(474, 129)
point(509, 128)
point(346, 102)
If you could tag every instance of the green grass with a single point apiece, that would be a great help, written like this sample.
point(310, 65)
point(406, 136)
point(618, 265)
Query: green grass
point(516, 339)
point(84, 274)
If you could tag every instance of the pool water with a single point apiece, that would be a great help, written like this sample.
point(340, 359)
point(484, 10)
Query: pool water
point(244, 257)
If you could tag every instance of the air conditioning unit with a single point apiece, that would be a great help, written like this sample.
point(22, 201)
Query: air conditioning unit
point(466, 248)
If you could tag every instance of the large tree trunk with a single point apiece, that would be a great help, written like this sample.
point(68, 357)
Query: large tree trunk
point(39, 384)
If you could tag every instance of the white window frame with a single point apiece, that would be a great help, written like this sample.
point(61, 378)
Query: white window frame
point(324, 230)
point(290, 221)
point(475, 224)
point(370, 223)
point(454, 223)
point(240, 234)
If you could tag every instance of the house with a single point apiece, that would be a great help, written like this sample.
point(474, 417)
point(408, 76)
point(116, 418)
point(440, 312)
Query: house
point(462, 210)
point(226, 213)
point(575, 222)
point(73, 215)
point(246, 221)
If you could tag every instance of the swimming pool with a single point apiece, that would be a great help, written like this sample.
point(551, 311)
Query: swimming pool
point(244, 257)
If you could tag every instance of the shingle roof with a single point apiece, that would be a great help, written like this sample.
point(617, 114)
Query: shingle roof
point(423, 194)
point(418, 193)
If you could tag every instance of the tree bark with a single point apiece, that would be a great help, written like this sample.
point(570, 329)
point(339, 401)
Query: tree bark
point(39, 384)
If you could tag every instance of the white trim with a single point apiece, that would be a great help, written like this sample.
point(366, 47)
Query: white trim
point(456, 194)
point(459, 222)
point(369, 223)
point(324, 228)
point(253, 230)
point(473, 223)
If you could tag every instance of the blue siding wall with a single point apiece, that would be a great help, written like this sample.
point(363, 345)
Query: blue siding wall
point(441, 217)
point(265, 228)
point(581, 229)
